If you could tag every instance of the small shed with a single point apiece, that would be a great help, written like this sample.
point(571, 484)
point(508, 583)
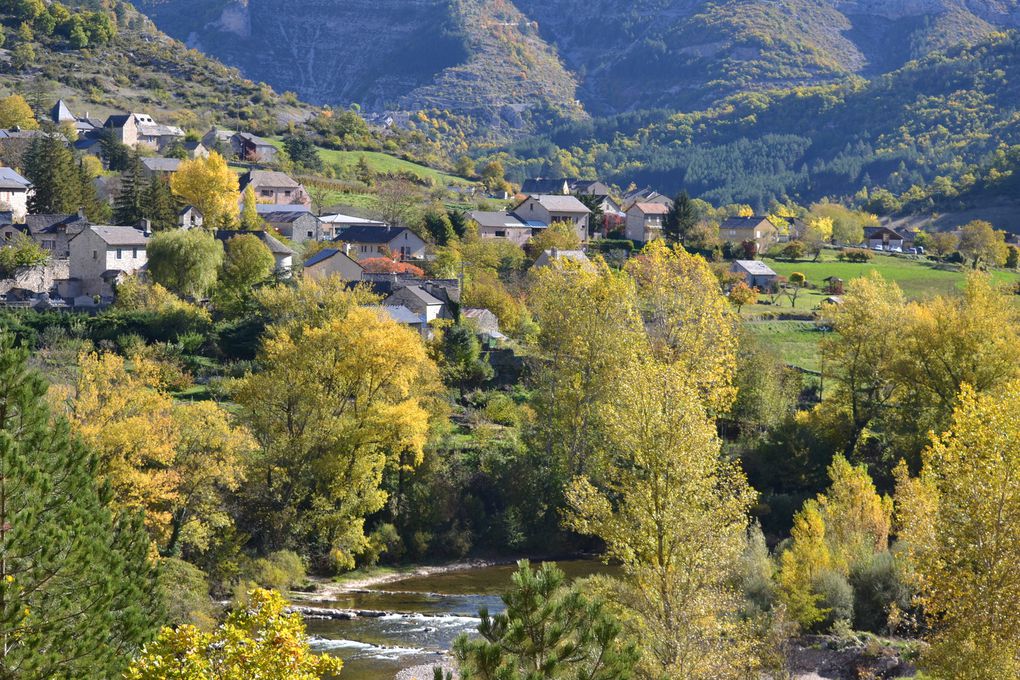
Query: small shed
point(755, 273)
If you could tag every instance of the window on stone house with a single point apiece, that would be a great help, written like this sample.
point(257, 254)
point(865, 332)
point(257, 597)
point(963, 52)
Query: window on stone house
point(119, 253)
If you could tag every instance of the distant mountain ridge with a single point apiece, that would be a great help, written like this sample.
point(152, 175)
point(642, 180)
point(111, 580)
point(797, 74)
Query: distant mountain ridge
point(496, 58)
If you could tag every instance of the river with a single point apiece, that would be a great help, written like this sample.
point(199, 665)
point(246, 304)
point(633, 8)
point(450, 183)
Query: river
point(426, 614)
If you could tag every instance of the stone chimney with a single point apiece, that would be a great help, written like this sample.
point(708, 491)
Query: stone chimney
point(554, 253)
point(146, 226)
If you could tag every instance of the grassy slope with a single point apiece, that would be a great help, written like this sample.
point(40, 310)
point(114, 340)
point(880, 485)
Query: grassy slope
point(797, 341)
point(382, 163)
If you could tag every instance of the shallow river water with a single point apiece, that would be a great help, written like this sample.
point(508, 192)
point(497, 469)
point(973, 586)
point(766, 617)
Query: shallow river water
point(428, 613)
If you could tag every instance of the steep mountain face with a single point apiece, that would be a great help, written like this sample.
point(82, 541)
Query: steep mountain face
point(496, 58)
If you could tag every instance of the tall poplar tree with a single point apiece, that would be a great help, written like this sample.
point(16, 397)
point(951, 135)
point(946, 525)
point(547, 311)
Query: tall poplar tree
point(76, 583)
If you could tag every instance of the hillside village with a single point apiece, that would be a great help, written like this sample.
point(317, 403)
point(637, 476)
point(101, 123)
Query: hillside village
point(291, 368)
point(84, 260)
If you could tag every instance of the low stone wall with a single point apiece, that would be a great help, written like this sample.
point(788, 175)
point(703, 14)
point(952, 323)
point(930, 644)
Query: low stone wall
point(40, 279)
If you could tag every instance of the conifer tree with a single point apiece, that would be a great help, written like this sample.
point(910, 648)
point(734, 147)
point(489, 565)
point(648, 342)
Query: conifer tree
point(51, 168)
point(129, 207)
point(96, 210)
point(160, 206)
point(681, 218)
point(76, 583)
point(250, 219)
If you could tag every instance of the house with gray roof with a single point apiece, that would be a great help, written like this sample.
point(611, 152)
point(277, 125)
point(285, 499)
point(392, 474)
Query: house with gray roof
point(252, 148)
point(504, 225)
point(555, 209)
point(54, 232)
point(271, 186)
point(159, 166)
point(101, 256)
point(296, 225)
point(366, 242)
point(333, 262)
point(755, 273)
point(14, 193)
point(139, 129)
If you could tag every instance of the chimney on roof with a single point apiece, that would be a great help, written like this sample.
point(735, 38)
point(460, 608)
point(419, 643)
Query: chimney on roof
point(347, 249)
point(146, 226)
point(554, 253)
point(81, 213)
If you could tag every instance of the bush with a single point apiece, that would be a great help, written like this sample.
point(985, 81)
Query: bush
point(836, 596)
point(854, 255)
point(877, 586)
point(502, 410)
point(384, 540)
point(184, 592)
point(282, 570)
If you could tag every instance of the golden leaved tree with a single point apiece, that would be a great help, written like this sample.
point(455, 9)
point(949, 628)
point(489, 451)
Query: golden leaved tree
point(174, 460)
point(689, 320)
point(674, 514)
point(332, 405)
point(960, 523)
point(211, 186)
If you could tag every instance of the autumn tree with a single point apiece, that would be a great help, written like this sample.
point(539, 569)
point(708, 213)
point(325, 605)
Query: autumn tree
point(558, 235)
point(690, 323)
point(257, 640)
point(76, 584)
point(185, 261)
point(960, 522)
point(861, 353)
point(16, 113)
point(211, 186)
point(794, 284)
point(943, 243)
point(673, 513)
point(250, 218)
point(742, 294)
point(547, 631)
point(247, 262)
point(981, 243)
point(589, 327)
point(339, 395)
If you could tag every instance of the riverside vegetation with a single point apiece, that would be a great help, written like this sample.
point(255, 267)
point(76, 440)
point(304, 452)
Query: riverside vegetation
point(290, 426)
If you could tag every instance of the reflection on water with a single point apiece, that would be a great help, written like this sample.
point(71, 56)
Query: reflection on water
point(429, 613)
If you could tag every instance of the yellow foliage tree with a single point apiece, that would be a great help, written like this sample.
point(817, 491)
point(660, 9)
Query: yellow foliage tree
point(172, 460)
point(960, 522)
point(331, 407)
point(799, 566)
point(589, 330)
point(857, 520)
point(211, 186)
point(258, 640)
point(689, 321)
point(15, 112)
point(673, 513)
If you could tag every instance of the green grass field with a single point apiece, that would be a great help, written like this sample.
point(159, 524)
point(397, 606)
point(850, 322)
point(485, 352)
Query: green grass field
point(795, 341)
point(383, 163)
point(919, 279)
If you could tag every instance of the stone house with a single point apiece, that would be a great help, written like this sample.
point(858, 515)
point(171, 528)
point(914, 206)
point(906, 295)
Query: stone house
point(333, 262)
point(54, 232)
point(275, 187)
point(139, 129)
point(249, 147)
point(504, 225)
point(398, 242)
point(14, 190)
point(190, 217)
point(296, 225)
point(743, 229)
point(101, 256)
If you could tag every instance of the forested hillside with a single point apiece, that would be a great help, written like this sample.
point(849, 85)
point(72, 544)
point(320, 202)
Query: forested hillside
point(470, 56)
point(948, 121)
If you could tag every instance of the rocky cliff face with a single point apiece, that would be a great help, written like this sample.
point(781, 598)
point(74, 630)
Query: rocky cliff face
point(494, 59)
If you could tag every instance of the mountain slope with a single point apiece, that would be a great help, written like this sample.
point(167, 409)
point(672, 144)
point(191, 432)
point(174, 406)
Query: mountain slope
point(932, 132)
point(476, 57)
point(141, 69)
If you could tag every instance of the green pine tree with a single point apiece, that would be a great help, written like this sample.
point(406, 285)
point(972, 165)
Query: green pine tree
point(160, 206)
point(681, 218)
point(51, 167)
point(129, 207)
point(548, 631)
point(96, 210)
point(76, 584)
